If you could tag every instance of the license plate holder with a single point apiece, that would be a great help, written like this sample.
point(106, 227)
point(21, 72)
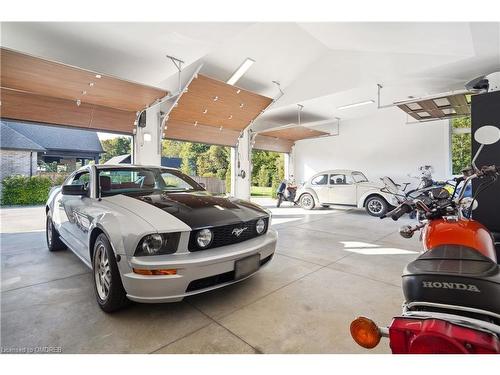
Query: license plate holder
point(246, 266)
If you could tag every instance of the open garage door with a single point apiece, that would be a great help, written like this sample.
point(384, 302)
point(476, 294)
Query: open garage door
point(213, 112)
point(36, 89)
point(282, 140)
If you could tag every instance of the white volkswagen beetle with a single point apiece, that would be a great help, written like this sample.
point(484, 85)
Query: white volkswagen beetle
point(152, 234)
point(344, 187)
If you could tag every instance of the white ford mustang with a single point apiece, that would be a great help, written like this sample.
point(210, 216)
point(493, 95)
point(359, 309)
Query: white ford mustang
point(152, 234)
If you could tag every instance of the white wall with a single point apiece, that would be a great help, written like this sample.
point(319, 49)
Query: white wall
point(378, 145)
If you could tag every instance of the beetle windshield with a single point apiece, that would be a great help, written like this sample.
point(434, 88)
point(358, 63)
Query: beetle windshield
point(144, 181)
point(359, 177)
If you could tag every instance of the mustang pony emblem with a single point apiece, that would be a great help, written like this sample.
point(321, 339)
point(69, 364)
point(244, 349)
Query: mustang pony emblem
point(237, 231)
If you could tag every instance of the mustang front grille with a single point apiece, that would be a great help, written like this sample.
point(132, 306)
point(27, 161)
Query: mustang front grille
point(229, 234)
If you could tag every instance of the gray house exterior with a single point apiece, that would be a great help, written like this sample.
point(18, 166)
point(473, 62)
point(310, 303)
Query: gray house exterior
point(25, 145)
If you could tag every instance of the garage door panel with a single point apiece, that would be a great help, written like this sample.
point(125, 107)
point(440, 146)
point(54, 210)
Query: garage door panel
point(215, 103)
point(266, 143)
point(29, 107)
point(183, 131)
point(43, 77)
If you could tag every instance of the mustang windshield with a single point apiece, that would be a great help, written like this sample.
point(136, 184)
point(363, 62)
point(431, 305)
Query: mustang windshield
point(144, 181)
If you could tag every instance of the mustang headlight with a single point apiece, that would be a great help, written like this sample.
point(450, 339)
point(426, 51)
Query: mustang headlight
point(152, 244)
point(204, 237)
point(157, 244)
point(260, 227)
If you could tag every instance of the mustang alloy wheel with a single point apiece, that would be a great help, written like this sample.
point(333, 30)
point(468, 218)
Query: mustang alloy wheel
point(110, 294)
point(307, 201)
point(54, 243)
point(102, 272)
point(376, 206)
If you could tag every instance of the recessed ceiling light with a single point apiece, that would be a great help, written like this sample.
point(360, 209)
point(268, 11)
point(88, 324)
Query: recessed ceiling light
point(442, 102)
point(196, 123)
point(98, 76)
point(414, 106)
point(238, 91)
point(205, 111)
point(91, 84)
point(230, 117)
point(242, 105)
point(84, 92)
point(216, 98)
point(423, 114)
point(240, 71)
point(356, 104)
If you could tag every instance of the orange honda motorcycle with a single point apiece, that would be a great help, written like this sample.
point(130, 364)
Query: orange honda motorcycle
point(452, 290)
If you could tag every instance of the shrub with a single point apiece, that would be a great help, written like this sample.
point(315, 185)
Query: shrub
point(23, 190)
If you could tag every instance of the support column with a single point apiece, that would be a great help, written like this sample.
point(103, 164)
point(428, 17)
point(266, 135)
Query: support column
point(241, 172)
point(290, 165)
point(147, 140)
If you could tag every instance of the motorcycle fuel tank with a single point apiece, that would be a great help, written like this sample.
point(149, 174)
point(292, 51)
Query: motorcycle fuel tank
point(462, 232)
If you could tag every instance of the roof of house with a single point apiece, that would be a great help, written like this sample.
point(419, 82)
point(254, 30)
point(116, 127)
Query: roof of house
point(11, 139)
point(120, 159)
point(54, 137)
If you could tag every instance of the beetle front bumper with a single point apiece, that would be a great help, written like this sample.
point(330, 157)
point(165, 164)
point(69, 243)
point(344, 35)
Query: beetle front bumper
point(197, 272)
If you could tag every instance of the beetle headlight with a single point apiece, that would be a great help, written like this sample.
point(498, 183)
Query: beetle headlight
point(204, 238)
point(158, 244)
point(260, 227)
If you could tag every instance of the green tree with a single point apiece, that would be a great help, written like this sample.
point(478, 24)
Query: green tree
point(461, 147)
point(267, 163)
point(114, 147)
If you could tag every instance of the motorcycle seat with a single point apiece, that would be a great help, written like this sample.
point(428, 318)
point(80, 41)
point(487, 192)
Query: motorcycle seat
point(453, 275)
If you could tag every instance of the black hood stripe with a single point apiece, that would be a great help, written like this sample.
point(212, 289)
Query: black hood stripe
point(202, 209)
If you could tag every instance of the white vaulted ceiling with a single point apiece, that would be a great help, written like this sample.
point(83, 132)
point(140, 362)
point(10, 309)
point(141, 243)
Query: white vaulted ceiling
point(320, 65)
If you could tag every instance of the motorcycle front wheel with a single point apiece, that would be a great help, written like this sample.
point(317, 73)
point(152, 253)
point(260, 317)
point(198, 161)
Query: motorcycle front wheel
point(280, 199)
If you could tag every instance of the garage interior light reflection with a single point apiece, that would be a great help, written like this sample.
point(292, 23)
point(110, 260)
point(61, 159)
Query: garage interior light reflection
point(365, 248)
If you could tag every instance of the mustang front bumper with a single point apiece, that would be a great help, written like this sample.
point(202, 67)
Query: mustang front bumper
point(197, 272)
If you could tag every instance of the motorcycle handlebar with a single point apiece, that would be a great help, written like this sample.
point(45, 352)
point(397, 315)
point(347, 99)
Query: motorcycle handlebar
point(399, 211)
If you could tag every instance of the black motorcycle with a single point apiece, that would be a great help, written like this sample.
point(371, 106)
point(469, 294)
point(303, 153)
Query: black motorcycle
point(286, 192)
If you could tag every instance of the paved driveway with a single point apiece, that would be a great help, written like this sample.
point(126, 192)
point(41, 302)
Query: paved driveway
point(331, 266)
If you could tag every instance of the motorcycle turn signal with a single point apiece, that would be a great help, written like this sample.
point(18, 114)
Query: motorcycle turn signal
point(365, 332)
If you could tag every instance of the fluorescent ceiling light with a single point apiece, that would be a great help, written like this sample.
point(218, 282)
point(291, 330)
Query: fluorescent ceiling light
point(240, 71)
point(356, 104)
point(414, 106)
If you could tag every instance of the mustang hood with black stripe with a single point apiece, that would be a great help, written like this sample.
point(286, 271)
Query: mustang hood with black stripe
point(195, 209)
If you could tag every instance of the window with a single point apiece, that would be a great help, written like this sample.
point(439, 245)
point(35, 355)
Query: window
point(173, 182)
point(359, 177)
point(460, 144)
point(338, 179)
point(81, 178)
point(144, 181)
point(320, 180)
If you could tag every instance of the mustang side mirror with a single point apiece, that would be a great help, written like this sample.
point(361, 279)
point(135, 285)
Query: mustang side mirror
point(76, 189)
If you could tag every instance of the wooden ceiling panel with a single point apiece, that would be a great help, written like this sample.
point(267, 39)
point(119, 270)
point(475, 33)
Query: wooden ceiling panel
point(266, 143)
point(19, 105)
point(294, 134)
point(182, 131)
point(440, 107)
point(38, 76)
point(215, 103)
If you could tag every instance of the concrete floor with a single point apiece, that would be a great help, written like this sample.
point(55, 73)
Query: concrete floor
point(331, 266)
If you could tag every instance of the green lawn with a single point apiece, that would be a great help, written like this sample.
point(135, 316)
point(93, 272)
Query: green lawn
point(260, 191)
